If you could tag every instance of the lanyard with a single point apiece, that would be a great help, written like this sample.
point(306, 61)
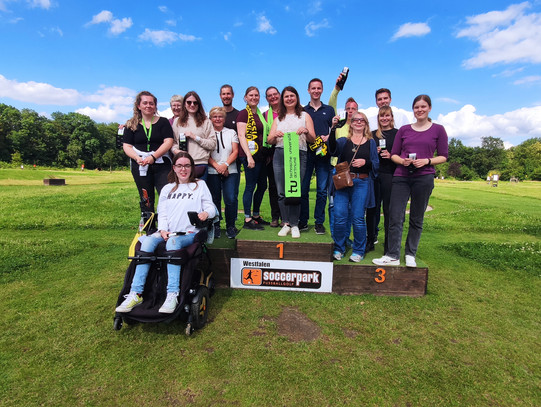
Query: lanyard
point(147, 133)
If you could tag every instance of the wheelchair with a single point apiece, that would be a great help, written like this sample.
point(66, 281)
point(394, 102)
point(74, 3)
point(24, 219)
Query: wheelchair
point(196, 279)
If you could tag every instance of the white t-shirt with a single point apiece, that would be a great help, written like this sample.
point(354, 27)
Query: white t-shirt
point(224, 146)
point(173, 207)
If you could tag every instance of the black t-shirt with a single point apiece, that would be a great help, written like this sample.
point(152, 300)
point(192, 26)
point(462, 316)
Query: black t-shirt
point(362, 152)
point(231, 119)
point(138, 138)
point(385, 164)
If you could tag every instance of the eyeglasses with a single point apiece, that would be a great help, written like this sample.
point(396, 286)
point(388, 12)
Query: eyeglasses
point(217, 118)
point(358, 121)
point(182, 167)
point(192, 102)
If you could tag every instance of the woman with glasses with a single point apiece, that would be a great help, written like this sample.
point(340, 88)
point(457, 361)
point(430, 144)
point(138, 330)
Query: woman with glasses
point(359, 151)
point(183, 194)
point(223, 174)
point(292, 123)
point(384, 137)
point(194, 134)
point(252, 130)
point(147, 139)
point(414, 149)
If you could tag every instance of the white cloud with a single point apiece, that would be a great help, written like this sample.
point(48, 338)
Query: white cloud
point(37, 92)
point(468, 126)
point(163, 9)
point(504, 37)
point(46, 4)
point(103, 16)
point(116, 26)
point(508, 72)
point(411, 30)
point(528, 80)
point(264, 25)
point(315, 7)
point(171, 23)
point(312, 27)
point(119, 26)
point(227, 36)
point(162, 37)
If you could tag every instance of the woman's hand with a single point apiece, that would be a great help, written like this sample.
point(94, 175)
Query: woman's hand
point(279, 134)
point(384, 153)
point(165, 234)
point(221, 168)
point(189, 134)
point(148, 160)
point(420, 162)
point(203, 216)
point(302, 130)
point(358, 162)
point(406, 162)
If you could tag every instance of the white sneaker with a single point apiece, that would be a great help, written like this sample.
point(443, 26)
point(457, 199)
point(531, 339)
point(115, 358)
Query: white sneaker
point(132, 300)
point(410, 261)
point(386, 261)
point(295, 232)
point(170, 304)
point(284, 231)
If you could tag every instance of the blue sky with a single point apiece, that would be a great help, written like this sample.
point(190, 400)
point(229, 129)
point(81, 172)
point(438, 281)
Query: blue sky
point(478, 60)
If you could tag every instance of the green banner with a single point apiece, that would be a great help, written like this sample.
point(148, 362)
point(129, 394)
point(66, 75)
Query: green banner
point(292, 169)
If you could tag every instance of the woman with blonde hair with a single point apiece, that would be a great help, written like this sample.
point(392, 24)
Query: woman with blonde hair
point(384, 137)
point(359, 150)
point(147, 140)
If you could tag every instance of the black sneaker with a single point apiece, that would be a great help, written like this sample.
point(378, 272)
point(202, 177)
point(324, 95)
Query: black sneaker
point(231, 232)
point(320, 229)
point(252, 225)
point(303, 226)
point(260, 221)
point(217, 232)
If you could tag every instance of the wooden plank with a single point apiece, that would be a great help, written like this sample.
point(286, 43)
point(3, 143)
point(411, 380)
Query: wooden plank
point(363, 279)
point(259, 249)
point(54, 181)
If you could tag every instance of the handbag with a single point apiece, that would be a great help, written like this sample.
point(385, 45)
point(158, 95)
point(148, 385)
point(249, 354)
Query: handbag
point(342, 179)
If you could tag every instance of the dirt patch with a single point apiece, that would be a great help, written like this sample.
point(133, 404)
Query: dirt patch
point(350, 333)
point(296, 326)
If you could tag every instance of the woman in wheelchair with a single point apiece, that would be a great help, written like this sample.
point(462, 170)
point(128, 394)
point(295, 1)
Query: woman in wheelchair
point(183, 194)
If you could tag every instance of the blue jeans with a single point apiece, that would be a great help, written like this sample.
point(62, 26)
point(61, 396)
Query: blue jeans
point(173, 270)
point(290, 213)
point(226, 186)
point(332, 191)
point(351, 202)
point(254, 190)
point(322, 167)
point(419, 189)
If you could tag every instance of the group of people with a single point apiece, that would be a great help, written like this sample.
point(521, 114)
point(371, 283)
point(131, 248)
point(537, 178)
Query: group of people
point(280, 150)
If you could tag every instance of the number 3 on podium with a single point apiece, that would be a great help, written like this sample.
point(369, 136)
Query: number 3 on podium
point(381, 277)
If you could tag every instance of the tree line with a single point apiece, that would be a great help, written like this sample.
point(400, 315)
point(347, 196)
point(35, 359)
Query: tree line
point(73, 139)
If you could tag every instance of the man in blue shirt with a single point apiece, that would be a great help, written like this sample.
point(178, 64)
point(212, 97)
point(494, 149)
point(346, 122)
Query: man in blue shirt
point(318, 158)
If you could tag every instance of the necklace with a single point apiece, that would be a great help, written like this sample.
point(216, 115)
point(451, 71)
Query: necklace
point(356, 146)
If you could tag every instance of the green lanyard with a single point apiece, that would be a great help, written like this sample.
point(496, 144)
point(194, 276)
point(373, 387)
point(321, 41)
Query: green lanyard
point(148, 133)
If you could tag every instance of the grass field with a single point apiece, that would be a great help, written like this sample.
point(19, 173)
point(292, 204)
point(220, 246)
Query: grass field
point(473, 340)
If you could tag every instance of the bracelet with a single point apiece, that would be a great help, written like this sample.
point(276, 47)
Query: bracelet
point(198, 139)
point(226, 164)
point(429, 161)
point(152, 155)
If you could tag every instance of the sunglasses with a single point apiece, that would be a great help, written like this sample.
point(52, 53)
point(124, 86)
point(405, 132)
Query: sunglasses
point(190, 102)
point(358, 121)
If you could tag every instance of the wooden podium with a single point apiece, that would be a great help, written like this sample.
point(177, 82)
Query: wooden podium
point(348, 277)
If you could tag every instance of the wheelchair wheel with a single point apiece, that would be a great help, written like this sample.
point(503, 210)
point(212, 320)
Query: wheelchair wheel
point(117, 323)
point(199, 310)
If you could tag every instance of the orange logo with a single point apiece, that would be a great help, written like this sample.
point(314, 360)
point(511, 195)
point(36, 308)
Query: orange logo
point(251, 276)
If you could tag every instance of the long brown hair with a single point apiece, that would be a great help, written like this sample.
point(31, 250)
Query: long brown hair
point(200, 115)
point(137, 116)
point(367, 132)
point(283, 110)
point(383, 110)
point(172, 176)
